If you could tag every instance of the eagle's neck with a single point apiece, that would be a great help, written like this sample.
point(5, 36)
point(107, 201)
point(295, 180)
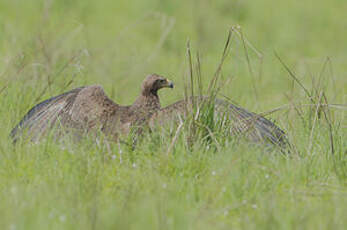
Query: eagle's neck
point(147, 101)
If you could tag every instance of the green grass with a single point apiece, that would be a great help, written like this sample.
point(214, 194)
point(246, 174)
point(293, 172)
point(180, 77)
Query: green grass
point(48, 47)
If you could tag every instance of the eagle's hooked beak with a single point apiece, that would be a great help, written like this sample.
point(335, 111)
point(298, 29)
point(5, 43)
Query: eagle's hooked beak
point(169, 83)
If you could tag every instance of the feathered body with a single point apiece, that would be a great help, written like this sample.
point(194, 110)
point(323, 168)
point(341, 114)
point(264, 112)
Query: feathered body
point(88, 109)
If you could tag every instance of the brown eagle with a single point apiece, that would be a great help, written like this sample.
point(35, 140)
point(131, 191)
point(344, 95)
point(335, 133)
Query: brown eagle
point(87, 109)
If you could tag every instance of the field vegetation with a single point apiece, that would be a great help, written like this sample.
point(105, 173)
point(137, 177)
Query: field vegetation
point(286, 60)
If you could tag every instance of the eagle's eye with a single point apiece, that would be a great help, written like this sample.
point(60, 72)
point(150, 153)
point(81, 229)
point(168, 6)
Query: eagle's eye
point(162, 80)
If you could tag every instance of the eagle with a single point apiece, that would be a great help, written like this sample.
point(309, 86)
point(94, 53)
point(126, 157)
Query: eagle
point(88, 109)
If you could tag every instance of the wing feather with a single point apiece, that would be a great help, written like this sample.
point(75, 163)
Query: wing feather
point(243, 122)
point(44, 115)
point(79, 108)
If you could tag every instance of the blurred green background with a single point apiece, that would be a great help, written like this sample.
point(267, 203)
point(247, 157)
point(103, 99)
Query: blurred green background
point(48, 47)
point(116, 43)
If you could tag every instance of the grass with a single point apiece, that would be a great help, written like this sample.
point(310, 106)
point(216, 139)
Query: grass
point(290, 60)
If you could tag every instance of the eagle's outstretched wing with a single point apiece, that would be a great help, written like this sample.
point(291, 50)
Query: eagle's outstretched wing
point(79, 109)
point(254, 127)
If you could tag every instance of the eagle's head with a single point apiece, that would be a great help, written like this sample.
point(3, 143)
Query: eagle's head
point(153, 83)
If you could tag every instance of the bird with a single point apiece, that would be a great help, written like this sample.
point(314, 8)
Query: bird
point(254, 127)
point(88, 109)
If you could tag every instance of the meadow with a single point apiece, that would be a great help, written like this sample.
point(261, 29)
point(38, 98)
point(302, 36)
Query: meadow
point(287, 60)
